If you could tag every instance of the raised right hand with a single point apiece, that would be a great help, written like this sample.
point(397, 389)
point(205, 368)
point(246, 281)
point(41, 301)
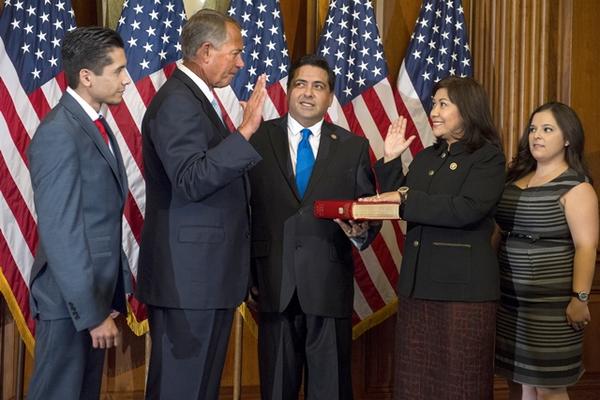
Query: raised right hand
point(253, 108)
point(105, 335)
point(395, 143)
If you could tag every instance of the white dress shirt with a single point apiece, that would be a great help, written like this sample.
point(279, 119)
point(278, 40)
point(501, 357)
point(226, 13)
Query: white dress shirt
point(294, 138)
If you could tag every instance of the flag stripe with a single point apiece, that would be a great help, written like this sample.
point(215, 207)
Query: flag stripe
point(15, 280)
point(17, 205)
point(365, 284)
point(146, 89)
point(16, 129)
point(16, 255)
point(39, 102)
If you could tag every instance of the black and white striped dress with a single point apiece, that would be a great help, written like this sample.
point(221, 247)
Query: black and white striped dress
point(534, 344)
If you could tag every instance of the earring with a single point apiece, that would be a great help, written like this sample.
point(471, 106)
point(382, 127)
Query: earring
point(567, 143)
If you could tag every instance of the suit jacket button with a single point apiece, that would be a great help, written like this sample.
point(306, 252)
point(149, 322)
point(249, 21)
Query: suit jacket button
point(416, 243)
point(430, 172)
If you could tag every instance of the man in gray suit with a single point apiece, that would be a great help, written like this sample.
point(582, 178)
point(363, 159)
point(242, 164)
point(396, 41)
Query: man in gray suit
point(80, 274)
point(195, 251)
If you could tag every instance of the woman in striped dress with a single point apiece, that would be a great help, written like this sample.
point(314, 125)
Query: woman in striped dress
point(548, 217)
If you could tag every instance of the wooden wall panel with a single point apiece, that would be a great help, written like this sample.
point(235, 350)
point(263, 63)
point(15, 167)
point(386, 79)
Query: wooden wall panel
point(515, 48)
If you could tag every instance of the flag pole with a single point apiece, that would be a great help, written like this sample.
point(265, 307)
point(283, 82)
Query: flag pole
point(237, 356)
point(20, 369)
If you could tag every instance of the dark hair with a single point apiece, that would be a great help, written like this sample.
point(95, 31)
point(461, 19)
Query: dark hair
point(88, 48)
point(204, 26)
point(470, 98)
point(315, 61)
point(572, 131)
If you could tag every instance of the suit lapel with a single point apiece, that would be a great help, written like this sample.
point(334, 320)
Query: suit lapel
point(327, 149)
point(206, 106)
point(92, 132)
point(281, 149)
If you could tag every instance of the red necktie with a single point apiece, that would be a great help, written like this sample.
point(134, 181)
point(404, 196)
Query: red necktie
point(102, 129)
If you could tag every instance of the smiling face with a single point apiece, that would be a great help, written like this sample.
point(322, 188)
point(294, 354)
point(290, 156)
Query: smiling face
point(546, 139)
point(309, 95)
point(447, 123)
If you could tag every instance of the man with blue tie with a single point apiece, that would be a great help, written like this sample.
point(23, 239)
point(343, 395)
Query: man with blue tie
point(80, 274)
point(303, 265)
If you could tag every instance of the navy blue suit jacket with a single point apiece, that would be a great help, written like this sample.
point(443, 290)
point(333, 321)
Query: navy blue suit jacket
point(195, 250)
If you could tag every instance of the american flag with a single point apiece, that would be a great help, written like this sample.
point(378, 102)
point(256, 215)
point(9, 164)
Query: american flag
point(364, 104)
point(151, 31)
point(438, 47)
point(31, 83)
point(265, 51)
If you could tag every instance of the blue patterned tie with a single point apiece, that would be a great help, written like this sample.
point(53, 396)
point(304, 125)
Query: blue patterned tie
point(305, 160)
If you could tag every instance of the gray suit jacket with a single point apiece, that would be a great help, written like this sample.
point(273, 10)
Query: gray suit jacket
point(195, 250)
point(291, 249)
point(80, 270)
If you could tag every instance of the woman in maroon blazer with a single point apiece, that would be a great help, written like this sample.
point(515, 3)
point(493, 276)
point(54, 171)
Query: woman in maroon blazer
point(448, 284)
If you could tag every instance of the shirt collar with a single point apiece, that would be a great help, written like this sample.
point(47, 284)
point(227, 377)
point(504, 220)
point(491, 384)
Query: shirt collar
point(295, 127)
point(198, 81)
point(89, 110)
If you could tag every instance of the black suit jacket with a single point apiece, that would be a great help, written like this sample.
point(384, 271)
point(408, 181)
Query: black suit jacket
point(195, 249)
point(291, 249)
point(80, 269)
point(449, 211)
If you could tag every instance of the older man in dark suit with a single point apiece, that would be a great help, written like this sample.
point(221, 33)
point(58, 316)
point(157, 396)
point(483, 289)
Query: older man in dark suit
point(80, 273)
point(303, 264)
point(195, 251)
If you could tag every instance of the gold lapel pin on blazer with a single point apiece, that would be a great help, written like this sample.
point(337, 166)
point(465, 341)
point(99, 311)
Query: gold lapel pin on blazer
point(453, 166)
point(333, 136)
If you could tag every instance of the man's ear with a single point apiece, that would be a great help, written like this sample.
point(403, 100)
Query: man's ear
point(202, 54)
point(85, 77)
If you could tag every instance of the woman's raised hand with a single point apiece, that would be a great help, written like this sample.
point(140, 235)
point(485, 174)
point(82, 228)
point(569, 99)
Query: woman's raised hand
point(395, 142)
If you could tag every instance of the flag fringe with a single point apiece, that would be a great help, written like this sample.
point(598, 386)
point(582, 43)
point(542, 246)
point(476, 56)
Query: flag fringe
point(249, 319)
point(375, 319)
point(15, 311)
point(139, 328)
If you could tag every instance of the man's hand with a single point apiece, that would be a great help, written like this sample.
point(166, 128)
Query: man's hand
point(353, 229)
point(253, 108)
point(105, 335)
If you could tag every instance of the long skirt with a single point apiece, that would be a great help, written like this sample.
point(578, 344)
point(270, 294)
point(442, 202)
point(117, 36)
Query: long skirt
point(444, 350)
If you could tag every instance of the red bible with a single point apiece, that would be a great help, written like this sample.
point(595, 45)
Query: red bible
point(357, 210)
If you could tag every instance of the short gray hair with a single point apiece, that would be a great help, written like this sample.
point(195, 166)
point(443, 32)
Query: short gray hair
point(204, 26)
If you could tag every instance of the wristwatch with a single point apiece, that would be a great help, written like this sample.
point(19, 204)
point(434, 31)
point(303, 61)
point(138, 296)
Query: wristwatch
point(403, 190)
point(581, 296)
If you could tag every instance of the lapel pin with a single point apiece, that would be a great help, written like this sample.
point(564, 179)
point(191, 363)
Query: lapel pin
point(453, 166)
point(333, 136)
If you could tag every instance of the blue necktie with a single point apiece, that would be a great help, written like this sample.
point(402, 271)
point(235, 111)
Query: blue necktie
point(215, 105)
point(305, 160)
